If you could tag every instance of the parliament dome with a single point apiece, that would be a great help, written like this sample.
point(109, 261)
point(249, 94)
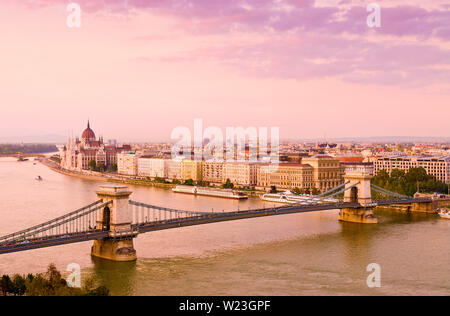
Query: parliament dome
point(88, 133)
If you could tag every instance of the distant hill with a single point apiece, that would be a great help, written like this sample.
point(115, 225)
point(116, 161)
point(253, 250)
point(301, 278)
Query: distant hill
point(7, 149)
point(382, 139)
point(47, 139)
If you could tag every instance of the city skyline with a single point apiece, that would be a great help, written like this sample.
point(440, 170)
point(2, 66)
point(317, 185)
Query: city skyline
point(138, 71)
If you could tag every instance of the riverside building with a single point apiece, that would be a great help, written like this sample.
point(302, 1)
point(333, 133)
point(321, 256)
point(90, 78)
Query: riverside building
point(77, 154)
point(439, 167)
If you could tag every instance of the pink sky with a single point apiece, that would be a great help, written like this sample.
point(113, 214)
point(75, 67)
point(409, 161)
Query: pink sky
point(140, 68)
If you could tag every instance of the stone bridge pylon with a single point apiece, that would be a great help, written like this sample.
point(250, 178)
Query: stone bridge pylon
point(358, 181)
point(115, 218)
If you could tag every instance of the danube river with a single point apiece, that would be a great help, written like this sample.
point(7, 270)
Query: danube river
point(298, 254)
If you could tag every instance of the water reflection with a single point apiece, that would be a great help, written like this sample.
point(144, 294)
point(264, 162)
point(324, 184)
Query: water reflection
point(118, 277)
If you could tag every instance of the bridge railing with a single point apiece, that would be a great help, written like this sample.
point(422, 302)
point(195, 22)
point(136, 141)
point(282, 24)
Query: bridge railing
point(79, 221)
point(146, 213)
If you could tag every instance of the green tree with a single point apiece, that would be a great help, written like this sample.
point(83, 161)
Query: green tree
point(189, 182)
point(6, 284)
point(92, 165)
point(407, 183)
point(100, 291)
point(100, 167)
point(159, 180)
point(298, 191)
point(112, 168)
point(19, 285)
point(228, 184)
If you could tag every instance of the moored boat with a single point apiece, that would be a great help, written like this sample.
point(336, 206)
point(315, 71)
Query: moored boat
point(222, 193)
point(444, 213)
point(291, 198)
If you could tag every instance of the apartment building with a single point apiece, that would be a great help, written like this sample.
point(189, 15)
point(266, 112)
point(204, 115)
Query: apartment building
point(152, 167)
point(240, 173)
point(127, 163)
point(328, 172)
point(191, 169)
point(286, 176)
point(439, 167)
point(173, 169)
point(212, 171)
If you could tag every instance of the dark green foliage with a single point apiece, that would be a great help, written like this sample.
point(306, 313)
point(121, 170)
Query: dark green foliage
point(50, 283)
point(202, 183)
point(408, 183)
point(228, 184)
point(159, 180)
point(92, 165)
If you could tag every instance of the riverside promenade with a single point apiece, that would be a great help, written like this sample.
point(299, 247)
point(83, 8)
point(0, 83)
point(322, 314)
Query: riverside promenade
point(115, 178)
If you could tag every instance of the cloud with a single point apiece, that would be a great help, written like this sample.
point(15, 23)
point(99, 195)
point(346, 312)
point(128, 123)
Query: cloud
point(304, 40)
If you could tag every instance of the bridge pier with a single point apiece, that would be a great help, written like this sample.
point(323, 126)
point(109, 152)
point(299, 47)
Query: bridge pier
point(425, 207)
point(115, 218)
point(358, 191)
point(358, 215)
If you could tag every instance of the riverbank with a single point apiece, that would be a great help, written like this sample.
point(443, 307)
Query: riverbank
point(99, 176)
point(22, 155)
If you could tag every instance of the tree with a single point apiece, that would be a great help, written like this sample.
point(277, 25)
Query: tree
point(398, 175)
point(298, 191)
point(407, 183)
point(100, 291)
point(92, 165)
point(19, 285)
point(202, 183)
point(159, 180)
point(100, 167)
point(189, 182)
point(52, 284)
point(112, 168)
point(228, 184)
point(6, 284)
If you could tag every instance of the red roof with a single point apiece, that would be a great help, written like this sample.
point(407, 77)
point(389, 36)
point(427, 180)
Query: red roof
point(351, 159)
point(88, 133)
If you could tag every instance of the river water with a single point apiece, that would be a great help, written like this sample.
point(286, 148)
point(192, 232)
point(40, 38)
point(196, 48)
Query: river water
point(298, 254)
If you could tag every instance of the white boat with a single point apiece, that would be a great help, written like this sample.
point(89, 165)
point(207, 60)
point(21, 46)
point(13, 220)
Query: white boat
point(39, 178)
point(277, 198)
point(223, 193)
point(444, 213)
point(291, 198)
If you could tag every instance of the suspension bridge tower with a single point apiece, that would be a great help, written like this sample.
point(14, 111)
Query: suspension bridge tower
point(115, 218)
point(358, 187)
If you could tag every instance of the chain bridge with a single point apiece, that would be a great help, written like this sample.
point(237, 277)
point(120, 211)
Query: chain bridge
point(114, 220)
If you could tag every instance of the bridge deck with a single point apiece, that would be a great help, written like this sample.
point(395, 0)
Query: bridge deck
point(50, 242)
point(230, 216)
